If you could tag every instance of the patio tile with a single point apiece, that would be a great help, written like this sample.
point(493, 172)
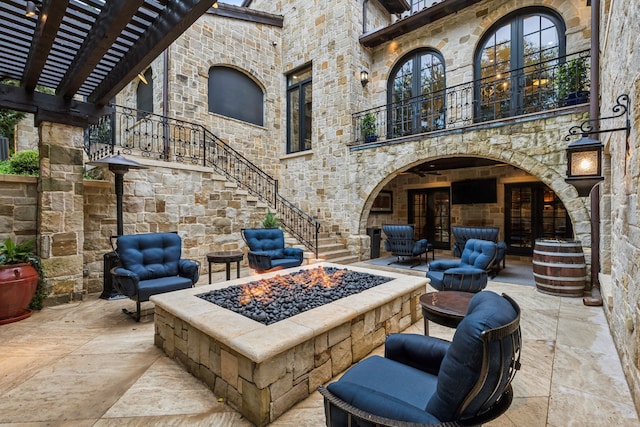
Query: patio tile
point(88, 364)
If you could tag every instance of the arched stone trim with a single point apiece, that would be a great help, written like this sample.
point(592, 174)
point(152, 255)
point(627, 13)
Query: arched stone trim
point(577, 207)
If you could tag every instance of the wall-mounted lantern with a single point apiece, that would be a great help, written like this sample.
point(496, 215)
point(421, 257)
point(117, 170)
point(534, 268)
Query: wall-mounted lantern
point(364, 77)
point(584, 164)
point(584, 156)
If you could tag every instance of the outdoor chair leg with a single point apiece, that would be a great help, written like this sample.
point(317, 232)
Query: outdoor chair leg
point(135, 316)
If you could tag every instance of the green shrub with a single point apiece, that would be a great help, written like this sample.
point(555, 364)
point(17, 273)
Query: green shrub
point(5, 167)
point(26, 162)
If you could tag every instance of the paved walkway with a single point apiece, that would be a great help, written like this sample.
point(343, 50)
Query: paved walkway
point(87, 364)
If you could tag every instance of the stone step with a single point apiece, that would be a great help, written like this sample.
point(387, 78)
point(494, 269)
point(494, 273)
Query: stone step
point(346, 260)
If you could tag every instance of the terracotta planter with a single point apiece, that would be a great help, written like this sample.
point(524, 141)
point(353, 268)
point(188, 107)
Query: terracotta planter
point(17, 285)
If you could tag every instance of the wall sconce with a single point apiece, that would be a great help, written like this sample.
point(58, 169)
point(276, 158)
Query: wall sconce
point(364, 77)
point(584, 164)
point(584, 156)
point(215, 4)
point(31, 9)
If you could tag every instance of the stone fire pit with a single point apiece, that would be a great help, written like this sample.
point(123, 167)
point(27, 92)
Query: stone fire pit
point(263, 370)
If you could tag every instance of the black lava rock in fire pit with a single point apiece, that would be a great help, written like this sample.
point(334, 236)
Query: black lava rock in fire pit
point(270, 300)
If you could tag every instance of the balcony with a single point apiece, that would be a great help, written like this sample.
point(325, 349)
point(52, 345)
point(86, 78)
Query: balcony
point(535, 88)
point(411, 16)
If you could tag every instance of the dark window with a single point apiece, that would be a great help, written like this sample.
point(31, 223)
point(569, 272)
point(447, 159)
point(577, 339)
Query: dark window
point(515, 64)
point(299, 110)
point(416, 94)
point(234, 94)
point(144, 95)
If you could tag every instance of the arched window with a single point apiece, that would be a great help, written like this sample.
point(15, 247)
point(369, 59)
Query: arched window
point(515, 63)
point(144, 95)
point(416, 94)
point(234, 94)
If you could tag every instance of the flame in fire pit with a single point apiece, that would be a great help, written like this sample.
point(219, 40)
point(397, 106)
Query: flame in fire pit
point(282, 296)
point(261, 290)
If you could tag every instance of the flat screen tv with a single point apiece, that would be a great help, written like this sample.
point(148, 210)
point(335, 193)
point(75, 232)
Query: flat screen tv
point(474, 191)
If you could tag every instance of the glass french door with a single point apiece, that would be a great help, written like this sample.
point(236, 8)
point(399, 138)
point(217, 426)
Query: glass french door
point(429, 210)
point(533, 211)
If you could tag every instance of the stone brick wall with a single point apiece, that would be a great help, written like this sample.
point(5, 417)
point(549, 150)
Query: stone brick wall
point(206, 211)
point(619, 209)
point(18, 208)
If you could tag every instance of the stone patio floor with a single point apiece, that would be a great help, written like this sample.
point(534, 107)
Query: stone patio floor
point(88, 364)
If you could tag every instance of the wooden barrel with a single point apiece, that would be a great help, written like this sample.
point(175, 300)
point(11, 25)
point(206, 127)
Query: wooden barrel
point(559, 267)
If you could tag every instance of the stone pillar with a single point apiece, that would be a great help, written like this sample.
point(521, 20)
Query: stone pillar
point(60, 210)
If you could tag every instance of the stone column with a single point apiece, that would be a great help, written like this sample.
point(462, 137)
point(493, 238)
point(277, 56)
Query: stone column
point(60, 210)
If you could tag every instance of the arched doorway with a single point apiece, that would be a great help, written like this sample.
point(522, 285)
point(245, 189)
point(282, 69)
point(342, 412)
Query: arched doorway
point(438, 194)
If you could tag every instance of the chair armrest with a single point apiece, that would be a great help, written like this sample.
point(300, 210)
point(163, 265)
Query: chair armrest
point(500, 254)
point(125, 281)
point(418, 351)
point(468, 279)
point(443, 264)
point(260, 261)
point(420, 247)
point(294, 253)
point(189, 268)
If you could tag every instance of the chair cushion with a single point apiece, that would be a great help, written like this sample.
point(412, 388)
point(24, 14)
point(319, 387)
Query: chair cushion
point(388, 389)
point(264, 239)
point(461, 366)
point(150, 255)
point(285, 262)
point(147, 288)
point(479, 253)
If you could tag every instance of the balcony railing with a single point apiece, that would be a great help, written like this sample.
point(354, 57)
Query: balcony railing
point(535, 88)
point(143, 134)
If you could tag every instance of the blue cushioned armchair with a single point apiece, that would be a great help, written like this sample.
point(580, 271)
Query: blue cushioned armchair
point(151, 264)
point(267, 250)
point(424, 380)
point(401, 242)
point(462, 234)
point(470, 273)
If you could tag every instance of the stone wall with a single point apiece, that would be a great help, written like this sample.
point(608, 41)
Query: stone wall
point(206, 210)
point(18, 208)
point(619, 208)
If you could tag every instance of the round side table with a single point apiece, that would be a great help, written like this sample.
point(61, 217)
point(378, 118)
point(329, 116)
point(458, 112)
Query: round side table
point(446, 308)
point(226, 257)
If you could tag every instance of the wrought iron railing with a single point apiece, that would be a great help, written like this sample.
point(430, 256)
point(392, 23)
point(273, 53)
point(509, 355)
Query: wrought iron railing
point(148, 135)
point(418, 6)
point(538, 87)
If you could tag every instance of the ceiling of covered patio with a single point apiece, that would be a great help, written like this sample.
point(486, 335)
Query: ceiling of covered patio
point(82, 52)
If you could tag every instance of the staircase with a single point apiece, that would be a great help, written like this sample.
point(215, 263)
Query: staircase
point(330, 249)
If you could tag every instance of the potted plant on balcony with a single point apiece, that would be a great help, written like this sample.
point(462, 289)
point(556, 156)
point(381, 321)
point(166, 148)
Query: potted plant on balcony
point(22, 281)
point(571, 82)
point(369, 128)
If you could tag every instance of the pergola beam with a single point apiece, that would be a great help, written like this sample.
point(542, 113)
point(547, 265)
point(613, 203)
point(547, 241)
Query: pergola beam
point(49, 21)
point(174, 20)
point(111, 21)
point(50, 108)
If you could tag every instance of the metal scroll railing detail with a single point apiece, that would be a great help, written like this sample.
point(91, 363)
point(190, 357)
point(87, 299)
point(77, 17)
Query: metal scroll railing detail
point(540, 86)
point(148, 135)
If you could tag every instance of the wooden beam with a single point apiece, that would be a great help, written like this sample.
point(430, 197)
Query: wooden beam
point(113, 18)
point(415, 21)
point(174, 20)
point(50, 108)
point(49, 20)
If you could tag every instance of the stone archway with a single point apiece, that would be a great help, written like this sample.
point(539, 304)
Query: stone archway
point(535, 167)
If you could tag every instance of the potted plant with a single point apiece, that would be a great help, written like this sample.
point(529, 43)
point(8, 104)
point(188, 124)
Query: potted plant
point(270, 220)
point(571, 82)
point(369, 127)
point(22, 281)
